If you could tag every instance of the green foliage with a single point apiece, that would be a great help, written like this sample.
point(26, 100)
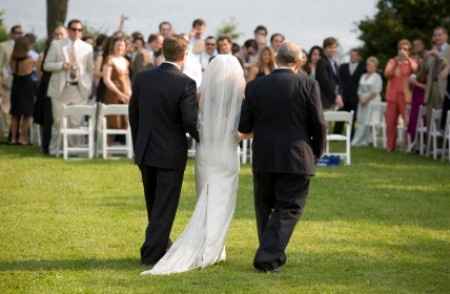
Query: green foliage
point(92, 31)
point(379, 226)
point(229, 28)
point(3, 31)
point(398, 19)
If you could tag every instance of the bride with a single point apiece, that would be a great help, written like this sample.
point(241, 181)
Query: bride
point(217, 171)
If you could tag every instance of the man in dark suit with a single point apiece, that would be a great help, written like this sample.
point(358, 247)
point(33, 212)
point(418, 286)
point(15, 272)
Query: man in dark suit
point(349, 75)
point(327, 74)
point(284, 112)
point(163, 108)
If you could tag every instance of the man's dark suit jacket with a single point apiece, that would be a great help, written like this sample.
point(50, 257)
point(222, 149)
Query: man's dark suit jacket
point(328, 81)
point(284, 112)
point(163, 108)
point(350, 83)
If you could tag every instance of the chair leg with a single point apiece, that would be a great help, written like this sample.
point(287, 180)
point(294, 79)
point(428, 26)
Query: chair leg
point(104, 144)
point(65, 146)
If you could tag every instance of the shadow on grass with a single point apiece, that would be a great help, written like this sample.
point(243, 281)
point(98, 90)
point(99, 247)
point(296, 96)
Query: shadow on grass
point(68, 264)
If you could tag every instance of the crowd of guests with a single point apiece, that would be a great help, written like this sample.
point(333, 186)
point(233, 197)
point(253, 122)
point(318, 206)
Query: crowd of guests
point(77, 68)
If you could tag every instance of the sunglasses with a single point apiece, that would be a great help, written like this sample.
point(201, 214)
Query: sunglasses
point(76, 29)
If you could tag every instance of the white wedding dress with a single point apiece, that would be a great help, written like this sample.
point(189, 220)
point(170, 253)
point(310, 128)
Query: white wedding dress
point(217, 171)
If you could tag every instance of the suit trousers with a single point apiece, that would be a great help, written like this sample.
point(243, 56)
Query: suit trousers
point(162, 188)
point(395, 108)
point(279, 203)
point(339, 126)
point(70, 95)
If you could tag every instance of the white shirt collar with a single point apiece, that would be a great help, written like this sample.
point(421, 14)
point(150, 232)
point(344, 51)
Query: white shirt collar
point(173, 63)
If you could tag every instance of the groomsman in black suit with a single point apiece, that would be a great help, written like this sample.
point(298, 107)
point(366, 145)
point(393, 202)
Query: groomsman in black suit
point(163, 108)
point(284, 112)
point(327, 74)
point(349, 74)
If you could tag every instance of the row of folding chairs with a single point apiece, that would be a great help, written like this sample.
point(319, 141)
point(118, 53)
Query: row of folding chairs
point(96, 139)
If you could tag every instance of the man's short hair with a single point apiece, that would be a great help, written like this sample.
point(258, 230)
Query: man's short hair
point(224, 38)
point(198, 22)
point(153, 37)
point(31, 38)
point(404, 42)
point(210, 38)
point(164, 23)
point(251, 43)
point(14, 28)
point(442, 29)
point(261, 28)
point(73, 21)
point(289, 53)
point(276, 35)
point(174, 48)
point(330, 41)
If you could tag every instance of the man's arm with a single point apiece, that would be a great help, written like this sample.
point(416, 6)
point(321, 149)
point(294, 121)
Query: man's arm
point(189, 110)
point(133, 111)
point(316, 122)
point(51, 61)
point(247, 120)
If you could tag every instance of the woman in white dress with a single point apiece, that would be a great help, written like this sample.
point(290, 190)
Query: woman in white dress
point(369, 90)
point(217, 171)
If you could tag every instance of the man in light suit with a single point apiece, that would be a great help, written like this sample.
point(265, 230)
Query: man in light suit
point(6, 49)
point(436, 61)
point(72, 65)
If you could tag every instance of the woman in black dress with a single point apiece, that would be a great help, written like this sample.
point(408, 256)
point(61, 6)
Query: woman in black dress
point(264, 66)
point(22, 92)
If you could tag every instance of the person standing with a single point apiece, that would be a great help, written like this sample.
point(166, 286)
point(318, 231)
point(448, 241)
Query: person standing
point(224, 45)
point(209, 53)
point(162, 109)
point(398, 94)
point(71, 63)
point(264, 66)
point(286, 148)
point(327, 74)
point(6, 49)
point(22, 91)
point(276, 40)
point(369, 91)
point(350, 74)
point(314, 55)
point(117, 81)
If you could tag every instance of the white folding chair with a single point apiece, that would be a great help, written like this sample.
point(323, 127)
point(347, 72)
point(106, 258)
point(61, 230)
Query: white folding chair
point(66, 131)
point(377, 123)
point(347, 119)
point(113, 110)
point(245, 151)
point(192, 149)
point(446, 138)
point(421, 131)
point(434, 133)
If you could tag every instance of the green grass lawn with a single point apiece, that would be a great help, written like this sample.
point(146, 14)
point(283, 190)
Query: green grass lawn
point(379, 226)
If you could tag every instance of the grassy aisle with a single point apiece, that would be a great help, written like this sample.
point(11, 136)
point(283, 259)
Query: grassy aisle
point(379, 226)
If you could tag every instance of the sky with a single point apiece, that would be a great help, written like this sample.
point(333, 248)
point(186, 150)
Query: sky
point(304, 22)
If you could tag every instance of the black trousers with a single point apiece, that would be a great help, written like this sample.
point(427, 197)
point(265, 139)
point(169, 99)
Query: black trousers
point(339, 126)
point(445, 108)
point(162, 188)
point(279, 203)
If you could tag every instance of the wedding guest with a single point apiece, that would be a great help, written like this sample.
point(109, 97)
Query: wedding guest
point(22, 91)
point(209, 53)
point(249, 52)
point(369, 91)
point(155, 44)
point(224, 45)
point(165, 29)
point(6, 49)
point(436, 61)
point(446, 104)
point(327, 74)
point(71, 63)
point(43, 107)
point(117, 81)
point(315, 53)
point(264, 66)
point(142, 59)
point(260, 34)
point(418, 84)
point(419, 48)
point(398, 95)
point(34, 56)
point(276, 40)
point(350, 73)
point(196, 37)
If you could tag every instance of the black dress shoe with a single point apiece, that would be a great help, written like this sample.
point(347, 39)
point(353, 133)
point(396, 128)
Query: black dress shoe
point(269, 270)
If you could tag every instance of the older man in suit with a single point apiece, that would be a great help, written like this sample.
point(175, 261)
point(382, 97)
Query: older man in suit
point(6, 49)
point(72, 65)
point(284, 112)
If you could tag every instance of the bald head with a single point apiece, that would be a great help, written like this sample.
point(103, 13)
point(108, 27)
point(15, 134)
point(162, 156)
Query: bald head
point(289, 54)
